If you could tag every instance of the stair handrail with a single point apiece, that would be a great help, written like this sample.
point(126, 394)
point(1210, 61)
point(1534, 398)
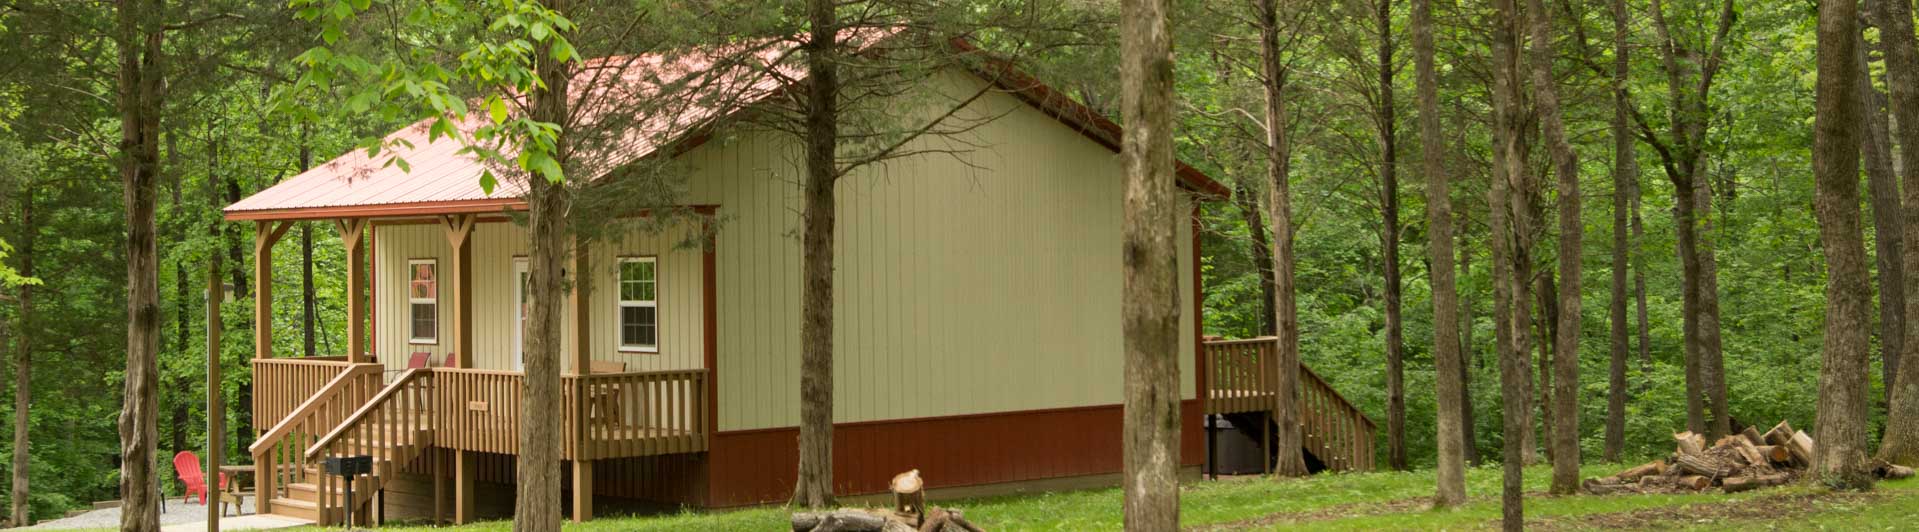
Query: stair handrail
point(313, 402)
point(378, 400)
point(1308, 372)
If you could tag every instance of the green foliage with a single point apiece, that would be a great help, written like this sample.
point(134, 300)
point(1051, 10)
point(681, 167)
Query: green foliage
point(495, 43)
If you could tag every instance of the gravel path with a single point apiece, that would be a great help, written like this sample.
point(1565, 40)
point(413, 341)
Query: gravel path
point(177, 511)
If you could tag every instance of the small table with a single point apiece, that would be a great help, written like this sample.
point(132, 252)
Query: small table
point(231, 492)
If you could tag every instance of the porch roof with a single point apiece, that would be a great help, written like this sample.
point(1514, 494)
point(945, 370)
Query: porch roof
point(441, 180)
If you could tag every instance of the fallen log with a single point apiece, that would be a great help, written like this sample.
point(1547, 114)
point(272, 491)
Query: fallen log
point(1750, 482)
point(1695, 482)
point(1753, 436)
point(1892, 471)
point(1599, 487)
point(838, 521)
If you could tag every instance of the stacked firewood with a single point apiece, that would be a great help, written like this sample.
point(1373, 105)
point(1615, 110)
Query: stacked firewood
point(908, 514)
point(1740, 462)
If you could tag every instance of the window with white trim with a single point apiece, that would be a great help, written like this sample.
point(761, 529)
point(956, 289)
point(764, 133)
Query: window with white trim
point(423, 301)
point(639, 304)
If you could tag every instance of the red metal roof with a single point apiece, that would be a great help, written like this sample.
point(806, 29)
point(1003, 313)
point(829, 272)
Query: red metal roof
point(443, 181)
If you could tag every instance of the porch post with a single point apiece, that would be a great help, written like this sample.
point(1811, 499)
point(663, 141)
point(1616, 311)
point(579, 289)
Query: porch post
point(459, 236)
point(463, 472)
point(352, 233)
point(582, 490)
point(216, 407)
point(265, 235)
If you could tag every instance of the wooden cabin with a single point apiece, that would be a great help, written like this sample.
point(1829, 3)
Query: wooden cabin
point(977, 324)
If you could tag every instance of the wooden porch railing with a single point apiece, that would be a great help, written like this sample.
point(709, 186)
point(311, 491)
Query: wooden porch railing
point(394, 427)
point(477, 410)
point(279, 457)
point(622, 415)
point(281, 384)
point(636, 414)
point(1240, 374)
point(1242, 377)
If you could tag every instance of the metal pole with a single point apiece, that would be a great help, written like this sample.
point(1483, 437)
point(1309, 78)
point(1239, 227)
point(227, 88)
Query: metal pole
point(216, 407)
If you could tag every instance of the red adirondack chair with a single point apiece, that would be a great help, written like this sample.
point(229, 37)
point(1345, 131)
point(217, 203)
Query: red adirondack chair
point(187, 466)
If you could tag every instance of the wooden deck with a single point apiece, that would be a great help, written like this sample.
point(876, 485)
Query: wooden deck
point(1242, 377)
point(355, 411)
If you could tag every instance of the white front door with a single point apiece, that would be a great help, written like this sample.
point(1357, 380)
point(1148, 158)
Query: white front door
point(519, 313)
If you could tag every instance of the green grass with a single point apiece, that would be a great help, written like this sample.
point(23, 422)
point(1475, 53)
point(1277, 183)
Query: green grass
point(1369, 502)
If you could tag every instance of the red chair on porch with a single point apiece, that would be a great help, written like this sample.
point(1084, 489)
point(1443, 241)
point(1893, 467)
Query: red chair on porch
point(187, 466)
point(419, 360)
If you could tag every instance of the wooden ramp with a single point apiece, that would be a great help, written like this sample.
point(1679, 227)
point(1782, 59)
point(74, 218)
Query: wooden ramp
point(1242, 377)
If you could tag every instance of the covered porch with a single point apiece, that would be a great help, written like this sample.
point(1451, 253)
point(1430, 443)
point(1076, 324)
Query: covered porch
point(427, 409)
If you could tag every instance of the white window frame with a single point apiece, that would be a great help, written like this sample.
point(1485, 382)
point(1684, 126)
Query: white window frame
point(411, 301)
point(619, 296)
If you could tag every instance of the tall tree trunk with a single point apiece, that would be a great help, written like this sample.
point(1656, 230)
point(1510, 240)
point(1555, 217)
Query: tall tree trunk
point(1451, 476)
point(1641, 320)
point(1507, 284)
point(1286, 432)
point(1389, 236)
point(1248, 205)
point(1901, 441)
point(814, 487)
point(1840, 458)
point(307, 295)
point(1625, 166)
point(1548, 328)
point(1565, 360)
point(537, 483)
point(23, 365)
point(1468, 350)
point(236, 254)
point(1692, 198)
point(139, 96)
point(1150, 300)
point(1875, 148)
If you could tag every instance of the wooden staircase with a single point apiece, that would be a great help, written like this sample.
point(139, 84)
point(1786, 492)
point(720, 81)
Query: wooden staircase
point(392, 424)
point(1241, 382)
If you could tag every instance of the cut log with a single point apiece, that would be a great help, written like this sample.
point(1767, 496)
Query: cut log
point(1799, 445)
point(1749, 452)
point(1774, 453)
point(1689, 443)
point(908, 498)
point(1695, 482)
point(1753, 436)
point(1779, 435)
point(1750, 482)
point(1702, 465)
point(1633, 474)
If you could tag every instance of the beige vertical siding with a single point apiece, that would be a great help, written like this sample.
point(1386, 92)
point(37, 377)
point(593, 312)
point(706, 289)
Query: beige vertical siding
point(495, 246)
point(984, 285)
point(986, 281)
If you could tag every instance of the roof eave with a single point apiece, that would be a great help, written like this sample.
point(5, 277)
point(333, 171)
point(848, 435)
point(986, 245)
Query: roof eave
point(392, 210)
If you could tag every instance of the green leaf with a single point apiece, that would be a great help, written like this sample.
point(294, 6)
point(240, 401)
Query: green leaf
point(563, 51)
point(487, 182)
point(544, 165)
point(496, 108)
